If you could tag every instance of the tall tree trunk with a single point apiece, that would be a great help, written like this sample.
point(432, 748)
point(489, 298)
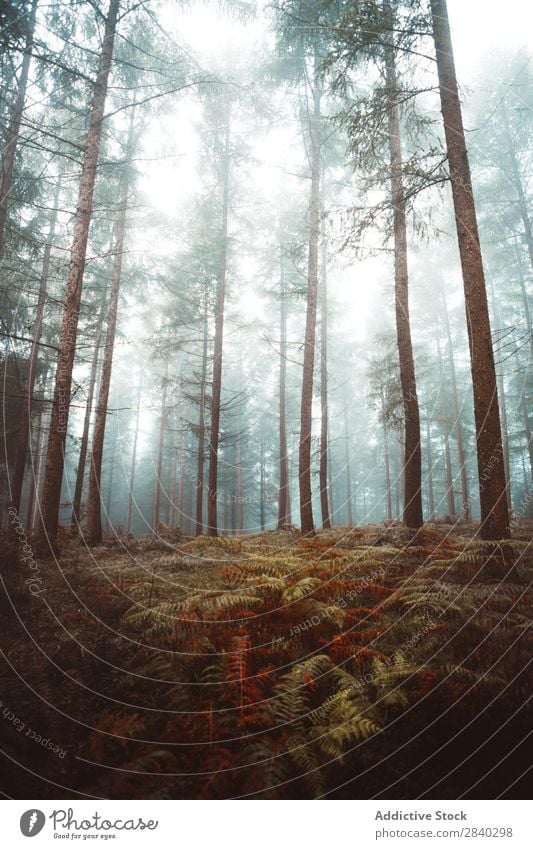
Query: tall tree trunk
point(431, 493)
point(518, 184)
point(388, 494)
point(41, 464)
point(182, 519)
point(201, 428)
point(525, 297)
point(160, 451)
point(284, 517)
point(67, 341)
point(134, 454)
point(465, 497)
point(306, 410)
point(503, 404)
point(412, 509)
point(450, 495)
point(448, 473)
point(38, 453)
point(108, 523)
point(398, 479)
point(212, 528)
point(262, 479)
point(349, 513)
point(94, 521)
point(27, 400)
point(494, 511)
point(173, 487)
point(323, 469)
point(84, 445)
point(34, 455)
point(528, 433)
point(239, 488)
point(13, 129)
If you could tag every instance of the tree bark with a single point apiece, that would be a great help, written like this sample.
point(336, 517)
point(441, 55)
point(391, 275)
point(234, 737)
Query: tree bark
point(84, 446)
point(494, 511)
point(323, 469)
point(201, 429)
point(67, 342)
point(27, 401)
point(412, 509)
point(212, 525)
point(13, 130)
point(306, 410)
point(284, 517)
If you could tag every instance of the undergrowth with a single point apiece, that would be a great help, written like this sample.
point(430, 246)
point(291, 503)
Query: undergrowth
point(362, 662)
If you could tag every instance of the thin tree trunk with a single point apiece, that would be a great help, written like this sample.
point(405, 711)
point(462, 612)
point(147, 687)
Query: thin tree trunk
point(450, 496)
point(182, 519)
point(412, 509)
point(448, 473)
point(212, 528)
point(13, 130)
point(306, 412)
point(525, 298)
point(67, 341)
point(387, 463)
point(529, 434)
point(349, 513)
point(84, 446)
point(201, 429)
point(262, 480)
point(94, 520)
point(38, 452)
point(34, 453)
point(502, 402)
point(465, 497)
point(518, 184)
point(108, 524)
point(134, 454)
point(239, 487)
point(173, 487)
point(494, 511)
point(505, 439)
point(323, 470)
point(431, 494)
point(41, 464)
point(160, 450)
point(284, 517)
point(27, 400)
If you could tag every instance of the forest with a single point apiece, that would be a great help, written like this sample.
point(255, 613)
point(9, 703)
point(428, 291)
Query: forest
point(266, 346)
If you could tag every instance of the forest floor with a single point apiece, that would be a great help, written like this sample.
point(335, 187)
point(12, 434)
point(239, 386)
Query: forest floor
point(365, 662)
